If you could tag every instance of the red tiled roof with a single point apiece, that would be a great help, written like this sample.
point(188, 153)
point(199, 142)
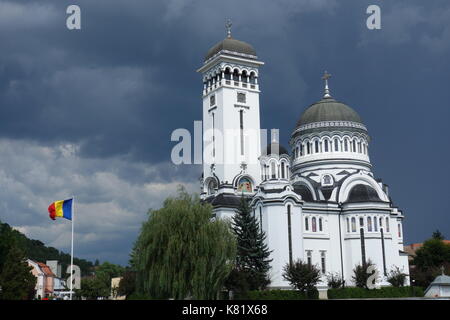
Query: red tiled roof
point(46, 269)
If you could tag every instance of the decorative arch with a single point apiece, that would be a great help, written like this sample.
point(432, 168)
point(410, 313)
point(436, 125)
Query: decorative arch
point(244, 183)
point(356, 179)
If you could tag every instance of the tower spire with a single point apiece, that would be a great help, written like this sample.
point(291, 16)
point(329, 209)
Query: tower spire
point(228, 26)
point(325, 77)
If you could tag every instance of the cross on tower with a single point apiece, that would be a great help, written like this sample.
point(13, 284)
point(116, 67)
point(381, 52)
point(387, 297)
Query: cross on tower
point(325, 77)
point(228, 26)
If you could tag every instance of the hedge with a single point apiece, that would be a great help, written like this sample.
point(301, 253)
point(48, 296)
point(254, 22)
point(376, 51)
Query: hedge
point(384, 292)
point(277, 295)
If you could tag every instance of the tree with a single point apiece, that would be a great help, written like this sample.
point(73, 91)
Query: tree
point(433, 253)
point(334, 280)
point(252, 261)
point(106, 271)
point(16, 280)
point(127, 284)
point(302, 275)
point(361, 276)
point(396, 277)
point(182, 252)
point(438, 235)
point(93, 288)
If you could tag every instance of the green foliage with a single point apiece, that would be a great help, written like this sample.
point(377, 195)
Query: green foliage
point(93, 288)
point(360, 274)
point(384, 292)
point(396, 277)
point(433, 253)
point(16, 280)
point(334, 280)
point(423, 278)
point(127, 285)
point(36, 250)
point(252, 260)
point(438, 235)
point(181, 252)
point(106, 271)
point(302, 275)
point(278, 295)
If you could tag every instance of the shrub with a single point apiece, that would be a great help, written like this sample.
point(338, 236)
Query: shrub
point(334, 280)
point(313, 294)
point(384, 292)
point(301, 275)
point(396, 277)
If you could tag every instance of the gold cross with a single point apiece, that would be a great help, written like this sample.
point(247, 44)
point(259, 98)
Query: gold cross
point(326, 76)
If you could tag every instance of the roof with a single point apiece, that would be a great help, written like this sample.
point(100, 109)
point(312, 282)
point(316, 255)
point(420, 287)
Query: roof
point(442, 279)
point(46, 269)
point(225, 200)
point(304, 192)
point(328, 109)
point(232, 46)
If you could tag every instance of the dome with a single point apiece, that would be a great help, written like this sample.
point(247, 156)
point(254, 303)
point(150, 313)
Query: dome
point(328, 109)
point(276, 148)
point(233, 46)
point(362, 192)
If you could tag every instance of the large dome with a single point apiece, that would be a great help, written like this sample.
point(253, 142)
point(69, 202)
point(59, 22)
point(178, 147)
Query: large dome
point(328, 109)
point(232, 46)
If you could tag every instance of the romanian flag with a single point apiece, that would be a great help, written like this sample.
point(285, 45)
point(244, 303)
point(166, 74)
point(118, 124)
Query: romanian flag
point(61, 208)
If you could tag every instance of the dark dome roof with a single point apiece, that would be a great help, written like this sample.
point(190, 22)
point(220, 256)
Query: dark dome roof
point(362, 192)
point(328, 109)
point(232, 45)
point(276, 148)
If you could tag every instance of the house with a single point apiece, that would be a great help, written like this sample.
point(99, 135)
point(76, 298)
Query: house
point(45, 279)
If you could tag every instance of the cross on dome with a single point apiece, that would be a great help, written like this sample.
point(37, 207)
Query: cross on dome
point(228, 26)
point(325, 77)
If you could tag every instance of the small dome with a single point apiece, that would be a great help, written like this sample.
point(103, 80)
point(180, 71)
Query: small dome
point(362, 192)
point(233, 46)
point(276, 148)
point(328, 109)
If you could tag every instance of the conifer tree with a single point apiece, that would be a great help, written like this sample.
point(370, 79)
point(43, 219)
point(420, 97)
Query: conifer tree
point(16, 280)
point(252, 261)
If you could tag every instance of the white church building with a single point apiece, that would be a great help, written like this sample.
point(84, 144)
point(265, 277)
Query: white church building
point(319, 200)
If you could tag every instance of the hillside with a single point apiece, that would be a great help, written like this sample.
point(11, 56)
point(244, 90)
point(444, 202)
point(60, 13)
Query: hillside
point(36, 250)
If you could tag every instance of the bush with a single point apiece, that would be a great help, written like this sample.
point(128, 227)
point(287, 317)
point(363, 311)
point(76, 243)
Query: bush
point(384, 292)
point(334, 280)
point(301, 275)
point(278, 295)
point(360, 274)
point(396, 277)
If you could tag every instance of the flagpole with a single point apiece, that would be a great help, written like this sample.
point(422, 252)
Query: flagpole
point(71, 250)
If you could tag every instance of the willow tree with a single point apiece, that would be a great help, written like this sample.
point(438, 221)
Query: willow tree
point(182, 252)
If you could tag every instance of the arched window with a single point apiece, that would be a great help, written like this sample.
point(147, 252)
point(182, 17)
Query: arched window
point(300, 148)
point(359, 147)
point(354, 146)
point(381, 222)
point(316, 146)
point(399, 230)
point(369, 224)
point(244, 185)
point(375, 224)
point(326, 145)
point(283, 170)
point(227, 74)
point(361, 222)
point(287, 172)
point(306, 224)
point(336, 144)
point(308, 149)
point(346, 145)
point(235, 75)
point(212, 185)
point(348, 225)
point(320, 225)
point(273, 170)
point(353, 224)
point(314, 226)
point(387, 225)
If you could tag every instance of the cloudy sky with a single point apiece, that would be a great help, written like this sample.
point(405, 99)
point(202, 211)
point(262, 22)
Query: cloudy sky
point(90, 112)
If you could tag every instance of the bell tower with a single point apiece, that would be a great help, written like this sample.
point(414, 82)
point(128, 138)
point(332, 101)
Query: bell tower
point(231, 122)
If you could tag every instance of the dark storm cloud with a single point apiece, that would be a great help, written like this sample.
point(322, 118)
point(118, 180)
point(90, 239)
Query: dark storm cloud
point(111, 94)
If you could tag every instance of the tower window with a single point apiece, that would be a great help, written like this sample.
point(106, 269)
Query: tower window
point(306, 224)
point(212, 100)
point(369, 224)
point(309, 257)
point(273, 170)
point(387, 225)
point(353, 224)
point(399, 230)
point(212, 187)
point(282, 170)
point(308, 147)
point(346, 145)
point(336, 144)
point(241, 97)
point(348, 225)
point(314, 226)
point(326, 145)
point(316, 146)
point(375, 224)
point(320, 225)
point(361, 222)
point(241, 120)
point(354, 146)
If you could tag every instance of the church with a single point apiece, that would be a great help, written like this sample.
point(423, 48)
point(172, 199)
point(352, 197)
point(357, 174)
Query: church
point(317, 200)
